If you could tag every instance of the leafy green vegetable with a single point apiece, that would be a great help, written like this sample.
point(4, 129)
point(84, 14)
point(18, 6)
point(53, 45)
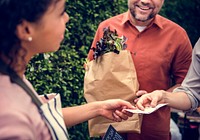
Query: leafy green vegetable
point(110, 42)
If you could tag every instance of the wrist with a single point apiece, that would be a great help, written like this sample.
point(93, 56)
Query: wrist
point(98, 108)
point(102, 108)
point(165, 96)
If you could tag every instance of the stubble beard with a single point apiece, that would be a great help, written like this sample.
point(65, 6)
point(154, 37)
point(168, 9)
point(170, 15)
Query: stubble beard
point(141, 19)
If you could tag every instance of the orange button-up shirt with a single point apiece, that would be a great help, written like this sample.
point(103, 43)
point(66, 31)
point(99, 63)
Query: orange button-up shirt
point(160, 52)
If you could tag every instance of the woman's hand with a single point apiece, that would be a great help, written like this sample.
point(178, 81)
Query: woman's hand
point(114, 109)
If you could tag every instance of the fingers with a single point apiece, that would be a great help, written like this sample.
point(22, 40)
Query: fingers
point(119, 115)
point(143, 101)
point(141, 92)
point(150, 99)
point(154, 102)
point(156, 97)
point(136, 100)
point(126, 104)
point(129, 114)
point(139, 105)
point(113, 109)
point(116, 118)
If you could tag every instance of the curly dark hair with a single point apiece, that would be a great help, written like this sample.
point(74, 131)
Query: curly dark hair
point(12, 12)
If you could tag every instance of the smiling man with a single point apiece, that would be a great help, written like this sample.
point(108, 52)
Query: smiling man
point(161, 52)
point(143, 11)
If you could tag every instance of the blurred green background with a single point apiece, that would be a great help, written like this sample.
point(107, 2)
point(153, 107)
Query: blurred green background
point(62, 72)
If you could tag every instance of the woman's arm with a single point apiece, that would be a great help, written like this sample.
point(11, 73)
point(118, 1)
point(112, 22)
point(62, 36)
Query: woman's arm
point(79, 114)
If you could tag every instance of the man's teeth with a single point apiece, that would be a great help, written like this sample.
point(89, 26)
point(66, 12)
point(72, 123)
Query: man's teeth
point(144, 8)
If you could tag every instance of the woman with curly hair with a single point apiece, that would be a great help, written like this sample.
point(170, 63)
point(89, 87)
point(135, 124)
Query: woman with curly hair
point(27, 28)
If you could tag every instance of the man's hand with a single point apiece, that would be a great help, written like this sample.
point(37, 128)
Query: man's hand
point(139, 94)
point(150, 99)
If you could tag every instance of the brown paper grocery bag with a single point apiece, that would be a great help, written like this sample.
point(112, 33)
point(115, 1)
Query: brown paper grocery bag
point(112, 76)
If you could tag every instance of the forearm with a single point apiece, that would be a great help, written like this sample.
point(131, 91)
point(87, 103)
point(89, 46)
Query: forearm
point(177, 100)
point(172, 88)
point(79, 114)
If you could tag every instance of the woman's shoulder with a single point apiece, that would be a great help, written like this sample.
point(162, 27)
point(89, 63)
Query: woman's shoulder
point(20, 115)
point(11, 93)
point(15, 121)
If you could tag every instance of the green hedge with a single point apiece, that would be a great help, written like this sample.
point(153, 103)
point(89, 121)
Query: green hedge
point(62, 72)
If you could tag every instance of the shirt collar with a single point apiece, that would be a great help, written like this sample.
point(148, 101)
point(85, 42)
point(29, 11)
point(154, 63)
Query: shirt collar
point(156, 20)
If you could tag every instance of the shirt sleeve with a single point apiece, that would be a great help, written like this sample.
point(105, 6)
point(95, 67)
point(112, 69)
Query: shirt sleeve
point(191, 82)
point(182, 59)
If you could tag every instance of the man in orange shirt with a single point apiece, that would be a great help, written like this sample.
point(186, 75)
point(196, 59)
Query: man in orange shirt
point(161, 51)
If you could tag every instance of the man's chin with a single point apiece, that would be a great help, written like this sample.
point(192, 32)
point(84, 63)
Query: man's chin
point(144, 19)
point(141, 19)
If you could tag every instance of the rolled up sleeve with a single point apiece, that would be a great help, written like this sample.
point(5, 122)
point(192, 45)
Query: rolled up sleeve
point(191, 83)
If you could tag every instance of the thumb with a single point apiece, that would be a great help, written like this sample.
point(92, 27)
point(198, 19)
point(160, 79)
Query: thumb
point(154, 102)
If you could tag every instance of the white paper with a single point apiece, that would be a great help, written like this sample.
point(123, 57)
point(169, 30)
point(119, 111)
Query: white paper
point(147, 110)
